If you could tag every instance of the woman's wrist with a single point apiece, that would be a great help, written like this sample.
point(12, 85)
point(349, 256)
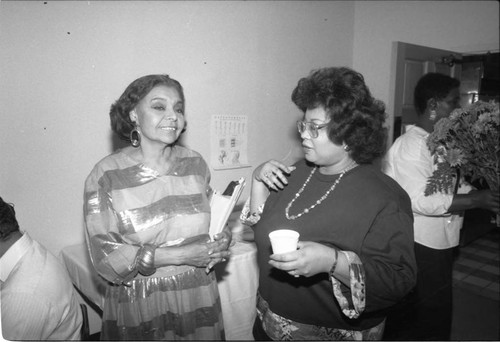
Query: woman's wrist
point(146, 259)
point(171, 255)
point(333, 264)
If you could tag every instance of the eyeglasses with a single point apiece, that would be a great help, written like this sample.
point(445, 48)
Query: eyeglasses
point(311, 128)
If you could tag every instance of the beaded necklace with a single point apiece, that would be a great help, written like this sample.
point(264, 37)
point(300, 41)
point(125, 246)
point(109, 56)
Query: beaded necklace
point(297, 195)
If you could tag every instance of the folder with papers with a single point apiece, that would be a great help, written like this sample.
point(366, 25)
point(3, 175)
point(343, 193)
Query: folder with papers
point(222, 205)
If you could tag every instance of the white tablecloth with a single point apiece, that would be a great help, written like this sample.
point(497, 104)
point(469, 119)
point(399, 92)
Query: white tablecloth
point(237, 279)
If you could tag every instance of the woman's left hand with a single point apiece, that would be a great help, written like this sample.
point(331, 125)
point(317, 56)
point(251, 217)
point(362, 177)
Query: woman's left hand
point(273, 174)
point(308, 260)
point(224, 240)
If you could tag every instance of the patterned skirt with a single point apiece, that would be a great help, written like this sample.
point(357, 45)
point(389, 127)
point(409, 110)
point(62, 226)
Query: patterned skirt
point(284, 329)
point(180, 307)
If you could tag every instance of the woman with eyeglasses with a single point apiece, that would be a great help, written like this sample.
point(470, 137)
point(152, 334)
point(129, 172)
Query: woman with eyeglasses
point(355, 255)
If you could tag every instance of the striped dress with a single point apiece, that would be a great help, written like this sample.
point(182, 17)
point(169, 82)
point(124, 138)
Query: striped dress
point(127, 205)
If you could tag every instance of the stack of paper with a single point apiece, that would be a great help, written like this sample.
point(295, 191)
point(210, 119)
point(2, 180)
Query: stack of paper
point(221, 205)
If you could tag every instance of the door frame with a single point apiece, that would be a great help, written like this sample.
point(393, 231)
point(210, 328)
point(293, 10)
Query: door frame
point(399, 53)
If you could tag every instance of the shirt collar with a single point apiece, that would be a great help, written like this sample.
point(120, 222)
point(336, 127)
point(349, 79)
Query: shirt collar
point(10, 259)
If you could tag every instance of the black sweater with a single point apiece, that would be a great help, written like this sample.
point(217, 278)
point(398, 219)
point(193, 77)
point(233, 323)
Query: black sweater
point(369, 214)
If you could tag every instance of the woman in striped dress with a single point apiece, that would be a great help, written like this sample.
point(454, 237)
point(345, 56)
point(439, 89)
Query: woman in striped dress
point(147, 216)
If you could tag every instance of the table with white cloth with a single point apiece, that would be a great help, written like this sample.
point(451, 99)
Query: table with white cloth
point(237, 279)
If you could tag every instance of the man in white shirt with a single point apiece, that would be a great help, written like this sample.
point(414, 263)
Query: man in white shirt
point(38, 301)
point(438, 218)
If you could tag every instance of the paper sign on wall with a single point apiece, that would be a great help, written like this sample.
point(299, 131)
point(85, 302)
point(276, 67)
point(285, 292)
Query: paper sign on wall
point(229, 136)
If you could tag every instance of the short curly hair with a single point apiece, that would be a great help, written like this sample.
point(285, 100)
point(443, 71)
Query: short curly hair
point(8, 221)
point(135, 92)
point(355, 117)
point(432, 86)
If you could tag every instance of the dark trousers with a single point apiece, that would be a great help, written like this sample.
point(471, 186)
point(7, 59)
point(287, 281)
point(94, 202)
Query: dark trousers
point(258, 332)
point(425, 314)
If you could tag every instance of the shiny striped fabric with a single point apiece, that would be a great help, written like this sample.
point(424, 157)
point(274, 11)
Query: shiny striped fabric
point(126, 205)
point(181, 307)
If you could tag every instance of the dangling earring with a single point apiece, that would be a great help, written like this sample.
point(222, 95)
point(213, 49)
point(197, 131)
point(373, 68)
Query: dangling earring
point(433, 115)
point(135, 137)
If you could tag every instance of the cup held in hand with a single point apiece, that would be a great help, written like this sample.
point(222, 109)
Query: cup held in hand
point(284, 240)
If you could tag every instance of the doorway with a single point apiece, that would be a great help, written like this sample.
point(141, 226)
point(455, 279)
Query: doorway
point(409, 63)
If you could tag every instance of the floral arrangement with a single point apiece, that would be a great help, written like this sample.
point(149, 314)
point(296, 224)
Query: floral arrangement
point(467, 142)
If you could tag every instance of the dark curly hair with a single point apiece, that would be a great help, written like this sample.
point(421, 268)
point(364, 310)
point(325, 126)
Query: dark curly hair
point(356, 118)
point(135, 92)
point(432, 86)
point(8, 221)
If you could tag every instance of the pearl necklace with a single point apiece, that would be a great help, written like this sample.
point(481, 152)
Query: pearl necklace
point(297, 195)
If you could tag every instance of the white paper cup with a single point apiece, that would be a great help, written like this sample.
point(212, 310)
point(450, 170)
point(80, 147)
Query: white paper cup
point(284, 240)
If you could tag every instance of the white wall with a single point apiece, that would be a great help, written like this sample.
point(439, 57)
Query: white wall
point(62, 64)
point(461, 26)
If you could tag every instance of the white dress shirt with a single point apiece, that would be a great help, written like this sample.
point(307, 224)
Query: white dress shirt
point(38, 301)
point(410, 163)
